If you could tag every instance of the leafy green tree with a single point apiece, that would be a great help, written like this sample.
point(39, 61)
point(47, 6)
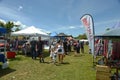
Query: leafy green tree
point(81, 36)
point(107, 29)
point(9, 25)
point(2, 24)
point(84, 36)
point(17, 29)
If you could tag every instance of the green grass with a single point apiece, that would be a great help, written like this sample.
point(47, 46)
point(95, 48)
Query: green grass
point(75, 68)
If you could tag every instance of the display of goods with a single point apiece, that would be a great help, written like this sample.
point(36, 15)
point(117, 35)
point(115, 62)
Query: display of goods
point(11, 54)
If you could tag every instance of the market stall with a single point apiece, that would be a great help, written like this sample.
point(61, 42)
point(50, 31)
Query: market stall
point(3, 58)
point(108, 46)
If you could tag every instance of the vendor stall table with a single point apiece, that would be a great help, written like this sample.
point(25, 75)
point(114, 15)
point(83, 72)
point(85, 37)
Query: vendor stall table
point(103, 72)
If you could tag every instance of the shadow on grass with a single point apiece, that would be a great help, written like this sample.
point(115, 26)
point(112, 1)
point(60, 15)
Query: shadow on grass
point(6, 71)
point(60, 64)
point(65, 63)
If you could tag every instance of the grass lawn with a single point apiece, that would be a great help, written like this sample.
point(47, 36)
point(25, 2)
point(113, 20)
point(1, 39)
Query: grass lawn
point(75, 68)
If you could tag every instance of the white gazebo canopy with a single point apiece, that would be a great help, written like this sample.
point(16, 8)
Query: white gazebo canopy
point(30, 31)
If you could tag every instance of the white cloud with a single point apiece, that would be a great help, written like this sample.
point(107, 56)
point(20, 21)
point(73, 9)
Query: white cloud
point(5, 11)
point(72, 27)
point(1, 20)
point(17, 23)
point(11, 13)
point(21, 26)
point(20, 8)
point(60, 28)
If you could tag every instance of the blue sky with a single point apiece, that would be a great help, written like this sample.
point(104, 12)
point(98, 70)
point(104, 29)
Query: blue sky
point(61, 15)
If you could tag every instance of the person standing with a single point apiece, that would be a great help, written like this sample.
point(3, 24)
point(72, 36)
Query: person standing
point(60, 51)
point(82, 46)
point(78, 47)
point(69, 47)
point(53, 53)
point(39, 49)
point(33, 51)
point(15, 44)
point(65, 45)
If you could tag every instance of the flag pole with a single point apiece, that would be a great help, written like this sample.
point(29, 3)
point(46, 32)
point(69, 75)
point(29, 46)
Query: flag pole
point(94, 41)
point(88, 22)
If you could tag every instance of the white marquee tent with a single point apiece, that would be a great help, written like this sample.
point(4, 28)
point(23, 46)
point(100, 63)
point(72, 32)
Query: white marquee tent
point(30, 31)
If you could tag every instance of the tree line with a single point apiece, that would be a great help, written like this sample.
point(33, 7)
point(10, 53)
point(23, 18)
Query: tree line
point(9, 26)
point(81, 36)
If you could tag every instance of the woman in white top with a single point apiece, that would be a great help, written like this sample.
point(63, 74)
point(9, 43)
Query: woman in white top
point(60, 51)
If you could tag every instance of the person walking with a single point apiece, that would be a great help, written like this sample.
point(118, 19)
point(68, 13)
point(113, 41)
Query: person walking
point(39, 49)
point(60, 51)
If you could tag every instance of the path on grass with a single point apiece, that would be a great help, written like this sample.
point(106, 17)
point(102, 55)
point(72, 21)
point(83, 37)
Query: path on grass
point(24, 68)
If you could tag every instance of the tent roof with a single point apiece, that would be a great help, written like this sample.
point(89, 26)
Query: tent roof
point(62, 35)
point(117, 25)
point(114, 33)
point(30, 31)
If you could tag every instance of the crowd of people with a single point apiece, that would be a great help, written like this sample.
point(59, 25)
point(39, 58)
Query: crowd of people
point(58, 49)
point(64, 47)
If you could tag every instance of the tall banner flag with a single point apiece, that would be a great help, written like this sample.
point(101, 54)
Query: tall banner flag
point(87, 21)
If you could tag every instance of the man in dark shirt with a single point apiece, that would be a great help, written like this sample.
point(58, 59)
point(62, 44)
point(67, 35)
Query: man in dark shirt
point(82, 46)
point(33, 47)
point(39, 49)
point(65, 45)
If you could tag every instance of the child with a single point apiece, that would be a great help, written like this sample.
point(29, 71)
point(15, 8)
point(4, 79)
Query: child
point(54, 56)
point(53, 53)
